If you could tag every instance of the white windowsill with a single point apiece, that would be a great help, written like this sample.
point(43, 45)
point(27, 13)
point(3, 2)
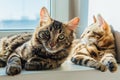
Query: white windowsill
point(67, 71)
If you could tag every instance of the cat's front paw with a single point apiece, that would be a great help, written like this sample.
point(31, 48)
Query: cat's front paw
point(13, 69)
point(89, 62)
point(101, 67)
point(77, 60)
point(112, 66)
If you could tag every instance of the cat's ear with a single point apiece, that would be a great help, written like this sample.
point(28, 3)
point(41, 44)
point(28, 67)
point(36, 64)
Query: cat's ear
point(72, 24)
point(44, 16)
point(102, 23)
point(94, 19)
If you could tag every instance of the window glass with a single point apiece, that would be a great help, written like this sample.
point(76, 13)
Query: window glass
point(21, 14)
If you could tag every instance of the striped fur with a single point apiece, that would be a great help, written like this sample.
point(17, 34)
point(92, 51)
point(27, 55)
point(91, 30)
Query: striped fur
point(48, 47)
point(96, 47)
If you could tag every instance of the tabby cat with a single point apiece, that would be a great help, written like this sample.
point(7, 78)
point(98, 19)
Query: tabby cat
point(96, 47)
point(47, 48)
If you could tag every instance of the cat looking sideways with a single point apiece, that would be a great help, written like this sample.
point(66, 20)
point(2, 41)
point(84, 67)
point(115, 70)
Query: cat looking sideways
point(48, 47)
point(96, 47)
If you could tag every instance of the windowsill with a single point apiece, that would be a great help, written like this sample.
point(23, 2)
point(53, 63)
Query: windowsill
point(67, 66)
point(67, 71)
point(6, 32)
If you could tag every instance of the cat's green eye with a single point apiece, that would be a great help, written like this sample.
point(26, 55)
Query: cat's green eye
point(44, 34)
point(47, 32)
point(41, 34)
point(61, 37)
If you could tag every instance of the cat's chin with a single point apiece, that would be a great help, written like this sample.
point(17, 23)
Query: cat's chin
point(52, 51)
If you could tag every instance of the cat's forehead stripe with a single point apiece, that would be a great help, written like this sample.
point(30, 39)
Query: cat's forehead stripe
point(57, 24)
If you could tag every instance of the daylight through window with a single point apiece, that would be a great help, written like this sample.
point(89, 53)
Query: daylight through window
point(21, 14)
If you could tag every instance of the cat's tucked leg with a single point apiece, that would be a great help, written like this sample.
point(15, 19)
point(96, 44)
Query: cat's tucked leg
point(109, 60)
point(40, 64)
point(88, 61)
point(13, 65)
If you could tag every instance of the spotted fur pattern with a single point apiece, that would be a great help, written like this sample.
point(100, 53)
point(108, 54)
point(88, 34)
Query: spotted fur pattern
point(48, 47)
point(96, 47)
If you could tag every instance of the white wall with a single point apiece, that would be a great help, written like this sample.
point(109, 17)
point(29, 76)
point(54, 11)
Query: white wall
point(64, 10)
point(60, 10)
point(109, 9)
point(79, 8)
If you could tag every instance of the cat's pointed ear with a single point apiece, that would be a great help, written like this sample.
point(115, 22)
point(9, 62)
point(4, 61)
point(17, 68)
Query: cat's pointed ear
point(44, 16)
point(102, 23)
point(72, 24)
point(94, 19)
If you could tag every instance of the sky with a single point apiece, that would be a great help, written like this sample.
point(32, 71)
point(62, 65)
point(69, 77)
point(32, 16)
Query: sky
point(16, 9)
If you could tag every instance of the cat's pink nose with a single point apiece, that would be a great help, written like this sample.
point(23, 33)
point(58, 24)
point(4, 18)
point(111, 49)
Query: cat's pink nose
point(52, 44)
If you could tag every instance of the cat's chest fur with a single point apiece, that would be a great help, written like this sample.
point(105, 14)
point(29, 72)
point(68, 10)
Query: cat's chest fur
point(27, 50)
